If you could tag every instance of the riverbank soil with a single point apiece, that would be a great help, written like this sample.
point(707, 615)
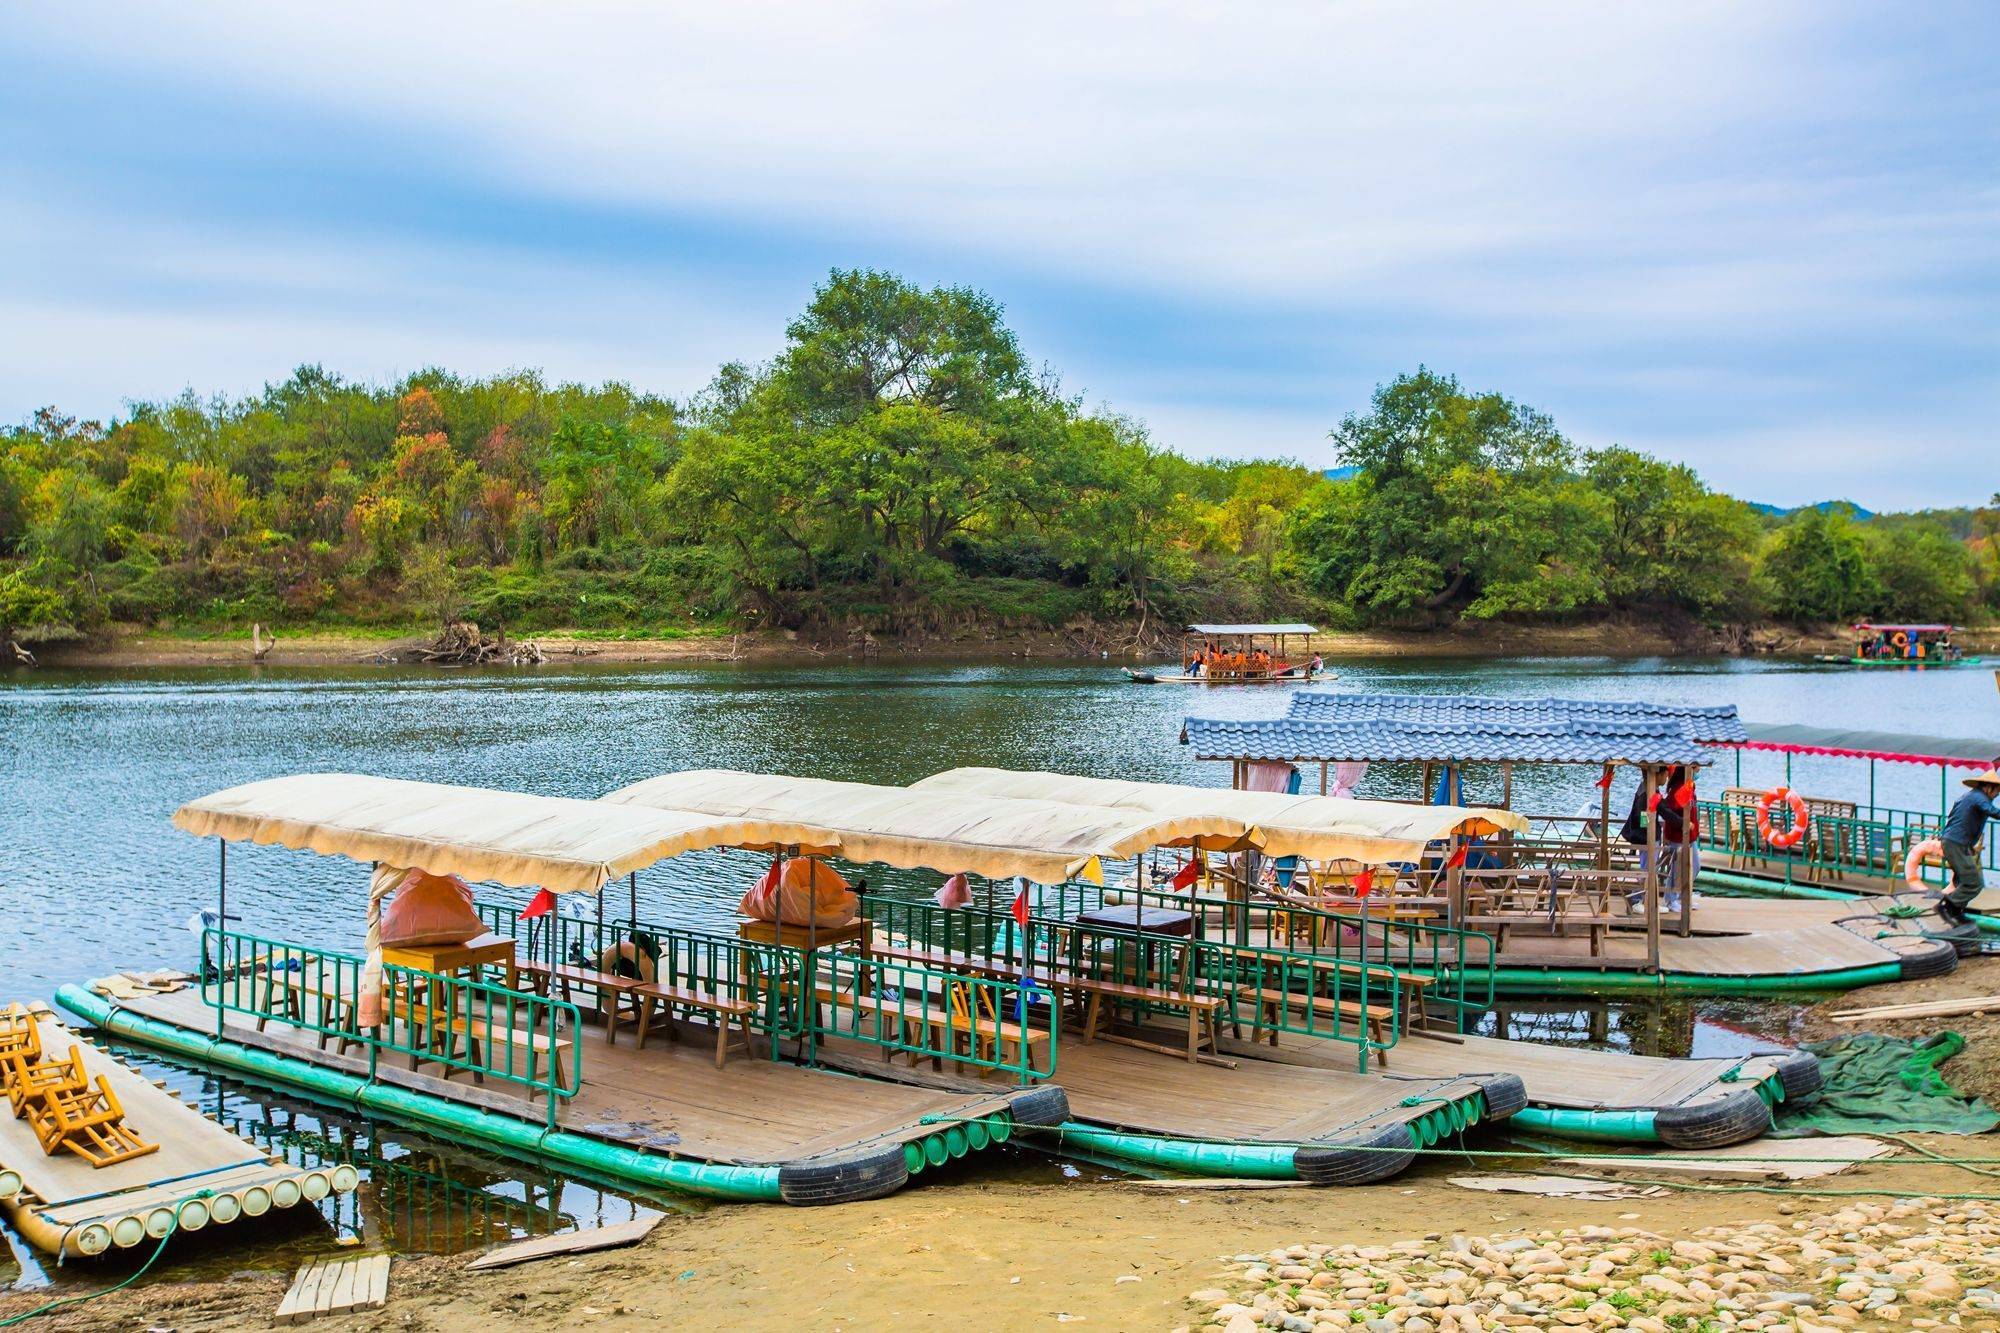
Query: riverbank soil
point(984, 1253)
point(128, 646)
point(1975, 1070)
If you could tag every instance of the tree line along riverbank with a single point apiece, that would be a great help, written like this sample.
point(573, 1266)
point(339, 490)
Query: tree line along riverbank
point(902, 471)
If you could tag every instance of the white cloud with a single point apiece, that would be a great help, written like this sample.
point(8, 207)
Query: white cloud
point(1605, 210)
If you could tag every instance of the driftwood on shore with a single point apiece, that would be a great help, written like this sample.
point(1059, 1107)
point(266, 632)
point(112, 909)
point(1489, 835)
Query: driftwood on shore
point(18, 655)
point(461, 643)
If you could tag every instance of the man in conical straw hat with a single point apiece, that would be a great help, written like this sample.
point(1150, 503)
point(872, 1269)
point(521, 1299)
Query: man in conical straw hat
point(1963, 828)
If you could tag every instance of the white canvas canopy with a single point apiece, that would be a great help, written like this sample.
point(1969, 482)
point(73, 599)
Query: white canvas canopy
point(512, 838)
point(1046, 841)
point(1320, 828)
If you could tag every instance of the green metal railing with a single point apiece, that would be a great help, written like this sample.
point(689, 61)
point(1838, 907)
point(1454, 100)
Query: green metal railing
point(1260, 988)
point(983, 1023)
point(1867, 845)
point(455, 1022)
point(1458, 962)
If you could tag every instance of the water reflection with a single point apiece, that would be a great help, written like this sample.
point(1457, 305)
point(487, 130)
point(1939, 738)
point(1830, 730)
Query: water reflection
point(1673, 1026)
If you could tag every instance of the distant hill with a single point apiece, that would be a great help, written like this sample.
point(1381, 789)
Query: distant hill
point(1824, 506)
point(1342, 473)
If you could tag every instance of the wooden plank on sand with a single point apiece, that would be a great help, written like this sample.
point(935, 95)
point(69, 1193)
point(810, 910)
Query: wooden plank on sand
point(335, 1286)
point(1972, 1004)
point(569, 1242)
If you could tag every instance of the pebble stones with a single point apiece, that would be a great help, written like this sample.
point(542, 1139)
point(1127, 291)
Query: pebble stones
point(1911, 1263)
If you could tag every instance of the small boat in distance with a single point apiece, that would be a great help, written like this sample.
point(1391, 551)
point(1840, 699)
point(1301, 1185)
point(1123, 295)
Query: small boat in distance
point(1239, 655)
point(1903, 646)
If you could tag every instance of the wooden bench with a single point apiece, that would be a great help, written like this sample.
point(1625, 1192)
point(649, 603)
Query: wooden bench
point(336, 1017)
point(1598, 924)
point(566, 977)
point(1201, 1009)
point(986, 1031)
point(727, 1013)
point(480, 1038)
point(1410, 985)
point(645, 997)
point(1379, 1019)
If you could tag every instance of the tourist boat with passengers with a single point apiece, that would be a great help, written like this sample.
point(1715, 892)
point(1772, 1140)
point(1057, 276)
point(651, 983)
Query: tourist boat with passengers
point(1240, 655)
point(1280, 901)
point(1574, 905)
point(1903, 646)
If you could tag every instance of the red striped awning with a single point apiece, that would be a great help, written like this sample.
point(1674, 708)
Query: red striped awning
point(1846, 743)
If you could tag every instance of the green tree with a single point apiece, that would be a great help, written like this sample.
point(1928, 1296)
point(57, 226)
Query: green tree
point(1461, 502)
point(1817, 567)
point(1923, 571)
point(1668, 541)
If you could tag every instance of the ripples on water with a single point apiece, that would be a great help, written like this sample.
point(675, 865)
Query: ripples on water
point(92, 875)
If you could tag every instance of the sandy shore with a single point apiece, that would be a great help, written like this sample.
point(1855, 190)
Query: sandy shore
point(987, 1255)
point(1003, 1254)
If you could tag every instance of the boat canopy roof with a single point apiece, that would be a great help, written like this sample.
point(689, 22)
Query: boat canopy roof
point(1701, 722)
point(1304, 740)
point(1324, 828)
point(1944, 751)
point(1047, 841)
point(511, 838)
point(1293, 628)
point(1875, 626)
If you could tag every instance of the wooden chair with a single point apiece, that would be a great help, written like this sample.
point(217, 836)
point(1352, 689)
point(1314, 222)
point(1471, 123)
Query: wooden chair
point(19, 1037)
point(88, 1121)
point(29, 1082)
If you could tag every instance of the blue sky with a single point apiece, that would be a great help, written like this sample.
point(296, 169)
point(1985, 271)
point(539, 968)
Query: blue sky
point(1761, 239)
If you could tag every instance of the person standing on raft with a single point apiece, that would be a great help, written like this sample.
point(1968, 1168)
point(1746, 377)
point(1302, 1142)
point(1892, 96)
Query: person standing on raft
point(1963, 828)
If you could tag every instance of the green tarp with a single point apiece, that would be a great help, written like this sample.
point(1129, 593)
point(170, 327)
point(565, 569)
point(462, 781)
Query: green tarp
point(1886, 1085)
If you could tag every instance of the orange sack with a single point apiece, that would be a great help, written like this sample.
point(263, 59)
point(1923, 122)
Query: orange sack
point(800, 892)
point(430, 909)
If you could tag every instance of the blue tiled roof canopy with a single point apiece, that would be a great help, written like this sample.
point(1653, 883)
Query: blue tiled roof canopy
point(1714, 724)
point(1461, 729)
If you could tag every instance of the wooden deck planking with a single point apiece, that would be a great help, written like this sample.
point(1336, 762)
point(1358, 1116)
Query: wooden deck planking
point(668, 1098)
point(1114, 1084)
point(1553, 1075)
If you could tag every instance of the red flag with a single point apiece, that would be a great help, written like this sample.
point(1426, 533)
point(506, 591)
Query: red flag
point(1653, 801)
point(1457, 857)
point(1684, 797)
point(540, 905)
point(1604, 783)
point(1020, 908)
point(1186, 877)
point(1364, 883)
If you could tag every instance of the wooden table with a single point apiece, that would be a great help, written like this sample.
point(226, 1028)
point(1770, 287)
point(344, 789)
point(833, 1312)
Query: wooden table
point(447, 960)
point(808, 939)
point(1146, 920)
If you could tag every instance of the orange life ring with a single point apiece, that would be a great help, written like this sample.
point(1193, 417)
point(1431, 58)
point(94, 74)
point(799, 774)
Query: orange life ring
point(1900, 639)
point(1783, 839)
point(1930, 849)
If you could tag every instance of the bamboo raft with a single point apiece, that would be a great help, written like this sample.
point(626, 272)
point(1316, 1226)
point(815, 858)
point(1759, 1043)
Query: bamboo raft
point(665, 1117)
point(201, 1175)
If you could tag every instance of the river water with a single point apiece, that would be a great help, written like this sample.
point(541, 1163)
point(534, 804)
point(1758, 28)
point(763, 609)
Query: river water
point(92, 764)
